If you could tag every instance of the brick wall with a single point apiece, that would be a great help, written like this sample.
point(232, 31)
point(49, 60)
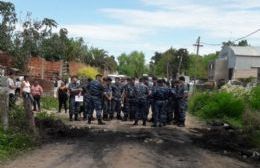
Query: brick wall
point(42, 69)
point(5, 59)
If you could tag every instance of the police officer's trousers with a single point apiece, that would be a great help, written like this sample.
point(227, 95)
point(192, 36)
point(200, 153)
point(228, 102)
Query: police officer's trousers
point(160, 112)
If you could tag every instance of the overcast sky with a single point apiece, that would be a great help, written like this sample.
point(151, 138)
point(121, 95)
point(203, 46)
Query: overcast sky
point(150, 25)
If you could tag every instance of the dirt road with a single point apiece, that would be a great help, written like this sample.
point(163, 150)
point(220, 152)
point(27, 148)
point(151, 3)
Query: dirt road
point(120, 145)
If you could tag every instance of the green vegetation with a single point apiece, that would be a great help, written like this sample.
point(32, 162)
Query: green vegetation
point(49, 103)
point(254, 98)
point(199, 65)
point(169, 63)
point(234, 105)
point(89, 72)
point(45, 116)
point(12, 142)
point(132, 64)
point(218, 105)
point(38, 38)
point(17, 138)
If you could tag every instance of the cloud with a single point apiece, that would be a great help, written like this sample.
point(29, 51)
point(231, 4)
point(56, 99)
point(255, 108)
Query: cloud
point(225, 20)
point(216, 21)
point(106, 32)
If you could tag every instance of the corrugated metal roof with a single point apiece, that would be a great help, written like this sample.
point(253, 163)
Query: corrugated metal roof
point(246, 51)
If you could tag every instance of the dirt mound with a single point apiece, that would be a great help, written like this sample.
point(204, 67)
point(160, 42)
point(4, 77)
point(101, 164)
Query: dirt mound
point(227, 141)
point(55, 129)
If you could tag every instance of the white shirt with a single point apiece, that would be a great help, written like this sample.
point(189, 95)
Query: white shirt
point(18, 84)
point(11, 84)
point(26, 87)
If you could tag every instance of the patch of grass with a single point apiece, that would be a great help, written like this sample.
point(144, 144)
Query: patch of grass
point(45, 116)
point(254, 98)
point(255, 139)
point(49, 103)
point(17, 118)
point(12, 142)
point(218, 105)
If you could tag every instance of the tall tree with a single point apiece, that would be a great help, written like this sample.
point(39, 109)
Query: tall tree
point(7, 25)
point(132, 65)
point(170, 63)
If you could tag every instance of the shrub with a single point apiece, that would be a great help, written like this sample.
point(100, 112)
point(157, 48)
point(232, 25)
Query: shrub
point(254, 98)
point(17, 118)
point(49, 103)
point(217, 105)
point(89, 72)
point(238, 91)
point(45, 116)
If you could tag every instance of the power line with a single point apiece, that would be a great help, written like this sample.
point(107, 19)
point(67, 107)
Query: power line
point(250, 34)
point(238, 39)
point(212, 44)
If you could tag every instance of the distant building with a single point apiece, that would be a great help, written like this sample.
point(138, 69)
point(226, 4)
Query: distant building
point(235, 62)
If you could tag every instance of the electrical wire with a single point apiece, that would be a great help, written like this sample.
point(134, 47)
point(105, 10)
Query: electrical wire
point(238, 39)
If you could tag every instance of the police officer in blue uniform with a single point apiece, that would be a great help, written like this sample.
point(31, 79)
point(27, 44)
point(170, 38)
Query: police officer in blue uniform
point(86, 100)
point(107, 100)
point(74, 89)
point(181, 97)
point(149, 100)
point(117, 97)
point(96, 91)
point(160, 96)
point(129, 99)
point(141, 92)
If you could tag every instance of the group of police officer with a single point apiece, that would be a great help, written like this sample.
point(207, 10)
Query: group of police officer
point(168, 102)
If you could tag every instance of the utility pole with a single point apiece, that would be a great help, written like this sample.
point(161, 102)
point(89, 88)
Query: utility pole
point(179, 67)
point(198, 45)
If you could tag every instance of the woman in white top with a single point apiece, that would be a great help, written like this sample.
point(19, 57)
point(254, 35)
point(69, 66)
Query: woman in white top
point(26, 86)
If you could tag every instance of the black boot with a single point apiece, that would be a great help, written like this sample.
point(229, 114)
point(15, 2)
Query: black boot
point(119, 117)
point(181, 124)
point(70, 117)
point(105, 117)
point(100, 122)
point(144, 122)
point(111, 117)
point(89, 120)
point(76, 117)
point(136, 122)
point(124, 119)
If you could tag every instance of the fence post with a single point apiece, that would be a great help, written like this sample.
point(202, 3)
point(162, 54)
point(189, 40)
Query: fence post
point(4, 102)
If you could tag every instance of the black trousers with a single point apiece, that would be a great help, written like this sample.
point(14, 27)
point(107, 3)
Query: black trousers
point(36, 102)
point(63, 101)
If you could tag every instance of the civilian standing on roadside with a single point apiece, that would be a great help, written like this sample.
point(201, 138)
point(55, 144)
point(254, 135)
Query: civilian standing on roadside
point(62, 96)
point(37, 92)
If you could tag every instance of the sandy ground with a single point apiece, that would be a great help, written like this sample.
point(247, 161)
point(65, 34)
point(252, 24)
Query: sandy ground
point(121, 145)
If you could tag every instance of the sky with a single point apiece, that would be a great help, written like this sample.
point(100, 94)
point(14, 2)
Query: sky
point(150, 25)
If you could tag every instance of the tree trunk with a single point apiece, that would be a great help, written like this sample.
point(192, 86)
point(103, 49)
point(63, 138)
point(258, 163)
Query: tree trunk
point(27, 102)
point(4, 102)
